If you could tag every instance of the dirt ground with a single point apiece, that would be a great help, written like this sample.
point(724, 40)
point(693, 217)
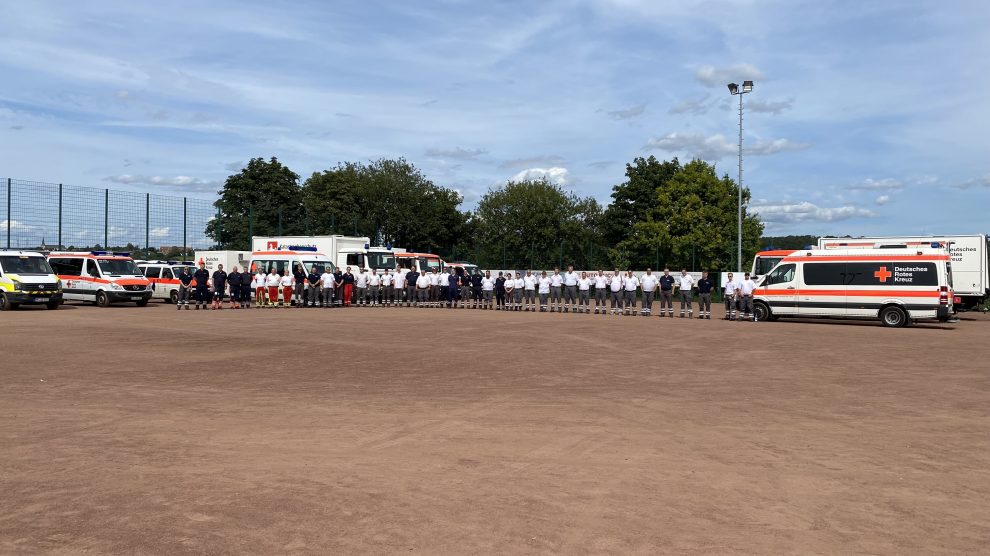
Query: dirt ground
point(425, 431)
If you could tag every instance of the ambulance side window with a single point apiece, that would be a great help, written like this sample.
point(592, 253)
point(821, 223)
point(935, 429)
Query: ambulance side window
point(354, 259)
point(152, 272)
point(167, 273)
point(782, 275)
point(92, 269)
point(67, 267)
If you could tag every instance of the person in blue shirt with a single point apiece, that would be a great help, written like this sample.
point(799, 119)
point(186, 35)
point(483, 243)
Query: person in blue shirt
point(411, 278)
point(313, 281)
point(666, 294)
point(705, 286)
point(452, 293)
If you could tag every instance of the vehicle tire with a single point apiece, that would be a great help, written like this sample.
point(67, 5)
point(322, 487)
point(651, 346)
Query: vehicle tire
point(52, 305)
point(174, 297)
point(102, 300)
point(894, 317)
point(5, 304)
point(762, 311)
point(142, 303)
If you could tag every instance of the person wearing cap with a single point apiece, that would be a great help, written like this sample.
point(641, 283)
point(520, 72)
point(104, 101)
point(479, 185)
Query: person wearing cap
point(584, 293)
point(746, 289)
point(313, 281)
point(685, 283)
point(234, 283)
point(570, 289)
point(247, 288)
point(500, 292)
point(299, 285)
point(630, 284)
point(487, 290)
point(615, 286)
point(556, 283)
point(328, 283)
point(601, 291)
point(730, 293)
point(648, 283)
point(705, 286)
point(666, 294)
point(544, 290)
point(202, 278)
point(185, 284)
point(412, 282)
point(529, 291)
point(219, 287)
point(423, 287)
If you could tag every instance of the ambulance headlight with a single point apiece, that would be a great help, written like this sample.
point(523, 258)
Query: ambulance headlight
point(116, 286)
point(17, 285)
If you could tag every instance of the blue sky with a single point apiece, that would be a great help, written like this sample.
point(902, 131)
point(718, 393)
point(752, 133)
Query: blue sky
point(868, 117)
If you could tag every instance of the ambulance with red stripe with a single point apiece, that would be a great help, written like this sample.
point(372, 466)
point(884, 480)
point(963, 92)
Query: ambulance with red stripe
point(164, 278)
point(895, 285)
point(101, 277)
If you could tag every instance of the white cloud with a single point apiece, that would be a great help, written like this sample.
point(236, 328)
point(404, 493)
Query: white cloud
point(236, 166)
point(886, 184)
point(457, 153)
point(710, 76)
point(694, 107)
point(545, 160)
point(627, 113)
point(129, 179)
point(790, 213)
point(974, 183)
point(882, 199)
point(555, 174)
point(717, 146)
point(774, 107)
point(15, 226)
point(159, 232)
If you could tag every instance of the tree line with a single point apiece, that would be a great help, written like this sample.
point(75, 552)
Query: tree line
point(664, 213)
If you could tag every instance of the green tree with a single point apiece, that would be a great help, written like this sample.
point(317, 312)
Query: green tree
point(264, 199)
point(330, 198)
point(633, 199)
point(692, 224)
point(536, 224)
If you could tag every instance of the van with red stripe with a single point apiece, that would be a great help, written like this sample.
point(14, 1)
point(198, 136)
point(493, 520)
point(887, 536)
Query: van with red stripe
point(897, 286)
point(164, 278)
point(101, 277)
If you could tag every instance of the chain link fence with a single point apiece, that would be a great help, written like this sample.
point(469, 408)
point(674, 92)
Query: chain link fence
point(47, 216)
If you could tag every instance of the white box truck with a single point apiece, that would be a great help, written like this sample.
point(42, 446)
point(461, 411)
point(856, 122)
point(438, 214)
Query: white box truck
point(353, 251)
point(228, 259)
point(970, 278)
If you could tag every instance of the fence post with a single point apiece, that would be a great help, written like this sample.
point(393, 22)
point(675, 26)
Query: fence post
point(185, 216)
point(106, 219)
point(8, 213)
point(147, 222)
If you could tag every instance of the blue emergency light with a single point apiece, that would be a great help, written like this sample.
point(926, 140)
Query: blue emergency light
point(302, 248)
point(936, 245)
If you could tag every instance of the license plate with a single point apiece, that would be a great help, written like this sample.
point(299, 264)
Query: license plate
point(41, 300)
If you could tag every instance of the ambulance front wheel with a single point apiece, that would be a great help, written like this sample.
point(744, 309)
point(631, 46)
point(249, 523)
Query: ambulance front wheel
point(102, 300)
point(893, 317)
point(762, 312)
point(5, 304)
point(142, 303)
point(52, 305)
point(174, 297)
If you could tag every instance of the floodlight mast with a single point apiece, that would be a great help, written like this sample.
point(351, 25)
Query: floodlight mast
point(747, 87)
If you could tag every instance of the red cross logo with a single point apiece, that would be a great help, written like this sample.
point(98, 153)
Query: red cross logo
point(882, 274)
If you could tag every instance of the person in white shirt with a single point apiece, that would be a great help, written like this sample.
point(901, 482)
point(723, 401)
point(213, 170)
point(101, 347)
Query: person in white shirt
point(487, 290)
point(685, 283)
point(529, 291)
point(746, 289)
point(584, 293)
point(328, 282)
point(271, 283)
point(731, 291)
point(601, 291)
point(544, 290)
point(615, 286)
point(570, 289)
point(510, 292)
point(520, 286)
point(423, 287)
point(434, 278)
point(648, 282)
point(399, 284)
point(556, 281)
point(287, 282)
point(374, 287)
point(361, 285)
point(631, 286)
point(260, 288)
point(388, 290)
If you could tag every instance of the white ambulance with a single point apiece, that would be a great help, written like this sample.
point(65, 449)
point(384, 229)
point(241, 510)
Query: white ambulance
point(26, 278)
point(164, 278)
point(896, 285)
point(285, 260)
point(101, 277)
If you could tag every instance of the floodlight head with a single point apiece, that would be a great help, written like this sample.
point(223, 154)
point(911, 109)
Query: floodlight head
point(733, 88)
point(747, 86)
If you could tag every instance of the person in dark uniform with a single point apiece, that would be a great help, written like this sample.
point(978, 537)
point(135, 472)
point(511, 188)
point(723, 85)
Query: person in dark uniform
point(453, 294)
point(313, 281)
point(411, 277)
point(476, 291)
point(705, 286)
point(246, 290)
point(234, 283)
point(500, 292)
point(185, 284)
point(338, 286)
point(202, 277)
point(299, 284)
point(219, 286)
point(666, 294)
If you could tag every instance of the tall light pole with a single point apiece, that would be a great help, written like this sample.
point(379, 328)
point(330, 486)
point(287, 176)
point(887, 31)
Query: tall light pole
point(747, 87)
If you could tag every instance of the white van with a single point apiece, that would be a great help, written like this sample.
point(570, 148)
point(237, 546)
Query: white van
point(285, 260)
point(101, 277)
point(897, 286)
point(164, 278)
point(26, 278)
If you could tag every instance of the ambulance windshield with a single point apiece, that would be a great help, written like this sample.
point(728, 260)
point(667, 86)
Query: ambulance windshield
point(318, 266)
point(381, 261)
point(119, 267)
point(25, 265)
point(430, 264)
